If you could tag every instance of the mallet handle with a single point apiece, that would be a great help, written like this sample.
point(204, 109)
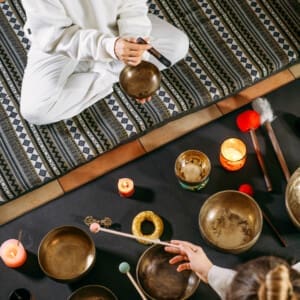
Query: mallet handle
point(277, 150)
point(131, 236)
point(260, 159)
point(136, 286)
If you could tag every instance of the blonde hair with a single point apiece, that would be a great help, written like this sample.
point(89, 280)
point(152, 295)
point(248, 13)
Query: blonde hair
point(265, 278)
point(277, 285)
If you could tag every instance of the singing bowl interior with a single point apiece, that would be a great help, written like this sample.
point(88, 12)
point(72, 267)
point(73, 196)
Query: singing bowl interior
point(159, 279)
point(231, 221)
point(192, 166)
point(66, 253)
point(292, 198)
point(140, 81)
point(91, 292)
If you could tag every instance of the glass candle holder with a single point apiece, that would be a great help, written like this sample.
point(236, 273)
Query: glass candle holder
point(192, 169)
point(233, 154)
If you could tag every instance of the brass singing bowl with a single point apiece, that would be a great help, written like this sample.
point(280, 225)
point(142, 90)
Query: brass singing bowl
point(93, 292)
point(231, 221)
point(140, 81)
point(292, 198)
point(199, 162)
point(159, 280)
point(66, 253)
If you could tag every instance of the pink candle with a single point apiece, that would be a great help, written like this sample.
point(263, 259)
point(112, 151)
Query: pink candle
point(126, 187)
point(13, 253)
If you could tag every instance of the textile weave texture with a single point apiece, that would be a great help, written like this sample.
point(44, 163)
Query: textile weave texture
point(233, 44)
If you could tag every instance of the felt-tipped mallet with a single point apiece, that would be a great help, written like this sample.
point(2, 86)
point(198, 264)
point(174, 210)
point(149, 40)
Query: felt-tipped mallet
point(263, 107)
point(249, 121)
point(124, 268)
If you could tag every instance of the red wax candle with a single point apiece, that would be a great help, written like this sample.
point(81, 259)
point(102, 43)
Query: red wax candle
point(126, 187)
point(13, 253)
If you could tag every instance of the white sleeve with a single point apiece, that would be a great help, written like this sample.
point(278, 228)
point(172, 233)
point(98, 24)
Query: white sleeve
point(220, 279)
point(296, 266)
point(133, 20)
point(52, 31)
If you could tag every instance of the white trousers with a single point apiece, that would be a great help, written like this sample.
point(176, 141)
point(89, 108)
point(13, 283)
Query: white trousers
point(56, 87)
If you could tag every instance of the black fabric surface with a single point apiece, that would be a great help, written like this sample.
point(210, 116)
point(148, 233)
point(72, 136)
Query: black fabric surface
point(157, 189)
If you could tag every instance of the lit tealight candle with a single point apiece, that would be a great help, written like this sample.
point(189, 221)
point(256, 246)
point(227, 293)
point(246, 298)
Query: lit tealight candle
point(13, 253)
point(233, 154)
point(126, 187)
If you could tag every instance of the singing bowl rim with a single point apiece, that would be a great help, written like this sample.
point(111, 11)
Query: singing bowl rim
point(151, 68)
point(143, 255)
point(293, 180)
point(201, 154)
point(44, 246)
point(92, 286)
point(240, 248)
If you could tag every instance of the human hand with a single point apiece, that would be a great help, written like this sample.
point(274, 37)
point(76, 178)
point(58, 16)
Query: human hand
point(190, 257)
point(143, 100)
point(129, 51)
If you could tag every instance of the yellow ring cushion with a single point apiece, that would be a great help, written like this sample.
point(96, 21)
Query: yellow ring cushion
point(150, 216)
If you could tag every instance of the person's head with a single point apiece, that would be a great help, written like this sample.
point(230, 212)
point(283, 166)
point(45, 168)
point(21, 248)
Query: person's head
point(265, 278)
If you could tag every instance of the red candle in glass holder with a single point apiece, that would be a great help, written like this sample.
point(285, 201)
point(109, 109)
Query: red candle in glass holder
point(233, 154)
point(13, 253)
point(126, 187)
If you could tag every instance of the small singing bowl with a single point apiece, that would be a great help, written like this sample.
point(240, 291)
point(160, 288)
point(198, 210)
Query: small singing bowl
point(292, 198)
point(231, 221)
point(140, 81)
point(93, 291)
point(66, 253)
point(159, 280)
point(192, 169)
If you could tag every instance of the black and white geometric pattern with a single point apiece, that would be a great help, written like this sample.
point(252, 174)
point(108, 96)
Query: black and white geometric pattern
point(270, 26)
point(15, 25)
point(121, 115)
point(78, 138)
point(229, 40)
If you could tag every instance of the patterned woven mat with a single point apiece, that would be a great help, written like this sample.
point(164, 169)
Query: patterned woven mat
point(233, 44)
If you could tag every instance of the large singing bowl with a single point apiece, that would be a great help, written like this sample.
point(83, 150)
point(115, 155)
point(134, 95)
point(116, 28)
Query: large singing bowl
point(140, 81)
point(292, 198)
point(93, 292)
point(159, 279)
point(231, 221)
point(66, 253)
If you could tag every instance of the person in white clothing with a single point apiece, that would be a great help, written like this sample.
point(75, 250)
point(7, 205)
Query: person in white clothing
point(79, 47)
point(263, 278)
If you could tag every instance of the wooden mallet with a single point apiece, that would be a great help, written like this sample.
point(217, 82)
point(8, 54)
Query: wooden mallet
point(263, 107)
point(249, 121)
point(125, 269)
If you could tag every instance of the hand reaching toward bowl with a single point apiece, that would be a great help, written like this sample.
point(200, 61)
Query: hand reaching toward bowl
point(190, 257)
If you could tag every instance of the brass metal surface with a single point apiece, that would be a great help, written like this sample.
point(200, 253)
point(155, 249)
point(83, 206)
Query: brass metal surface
point(93, 292)
point(140, 81)
point(231, 221)
point(66, 253)
point(292, 198)
point(159, 279)
point(195, 159)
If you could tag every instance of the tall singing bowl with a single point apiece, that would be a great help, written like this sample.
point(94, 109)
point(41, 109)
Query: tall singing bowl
point(140, 81)
point(159, 280)
point(93, 292)
point(231, 221)
point(292, 198)
point(66, 253)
